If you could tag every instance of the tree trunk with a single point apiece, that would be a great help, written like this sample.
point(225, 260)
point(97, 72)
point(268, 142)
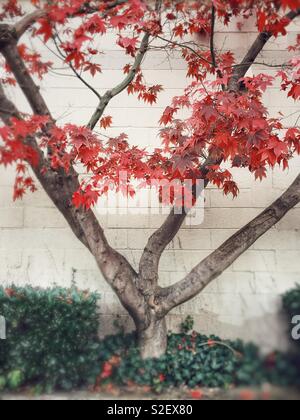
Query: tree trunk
point(153, 340)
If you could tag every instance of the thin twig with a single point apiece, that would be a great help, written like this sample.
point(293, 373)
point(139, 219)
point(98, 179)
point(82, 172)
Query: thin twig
point(90, 87)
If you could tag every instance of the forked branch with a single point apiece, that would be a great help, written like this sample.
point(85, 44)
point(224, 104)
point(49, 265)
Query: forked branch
point(216, 263)
point(60, 186)
point(167, 232)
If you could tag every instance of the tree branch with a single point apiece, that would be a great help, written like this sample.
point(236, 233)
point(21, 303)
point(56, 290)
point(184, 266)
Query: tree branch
point(110, 94)
point(185, 46)
point(253, 53)
point(61, 186)
point(24, 79)
point(162, 237)
point(212, 37)
point(24, 24)
point(47, 180)
point(215, 264)
point(28, 20)
point(76, 73)
point(167, 232)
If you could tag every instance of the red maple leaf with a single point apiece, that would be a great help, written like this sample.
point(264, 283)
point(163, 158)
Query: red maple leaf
point(129, 44)
point(106, 122)
point(95, 25)
point(295, 91)
point(45, 29)
point(168, 115)
point(93, 68)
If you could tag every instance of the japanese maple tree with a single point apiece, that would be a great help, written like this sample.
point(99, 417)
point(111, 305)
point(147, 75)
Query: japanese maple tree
point(227, 126)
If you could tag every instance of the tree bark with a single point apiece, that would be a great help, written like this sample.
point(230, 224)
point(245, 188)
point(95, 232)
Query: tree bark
point(139, 293)
point(153, 340)
point(217, 262)
point(60, 187)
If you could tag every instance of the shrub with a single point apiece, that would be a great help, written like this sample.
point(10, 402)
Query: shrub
point(291, 301)
point(52, 343)
point(52, 338)
point(291, 304)
point(194, 361)
point(187, 325)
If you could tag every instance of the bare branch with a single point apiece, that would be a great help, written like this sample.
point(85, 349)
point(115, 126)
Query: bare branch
point(110, 94)
point(212, 45)
point(212, 37)
point(185, 46)
point(79, 77)
point(209, 269)
point(25, 23)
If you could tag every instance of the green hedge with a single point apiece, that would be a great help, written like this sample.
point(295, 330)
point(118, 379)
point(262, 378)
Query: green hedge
point(195, 360)
point(291, 304)
point(291, 301)
point(51, 337)
point(52, 343)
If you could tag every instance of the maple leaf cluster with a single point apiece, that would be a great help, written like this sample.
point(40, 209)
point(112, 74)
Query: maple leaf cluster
point(11, 9)
point(17, 149)
point(148, 94)
point(233, 129)
point(230, 127)
point(34, 62)
point(291, 79)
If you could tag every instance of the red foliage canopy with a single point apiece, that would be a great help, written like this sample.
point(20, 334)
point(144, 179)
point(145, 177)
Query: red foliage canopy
point(231, 127)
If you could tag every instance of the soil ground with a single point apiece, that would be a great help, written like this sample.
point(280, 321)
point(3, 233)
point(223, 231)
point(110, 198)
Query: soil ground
point(248, 394)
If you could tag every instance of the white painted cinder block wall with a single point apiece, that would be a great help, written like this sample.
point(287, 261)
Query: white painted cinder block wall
point(38, 248)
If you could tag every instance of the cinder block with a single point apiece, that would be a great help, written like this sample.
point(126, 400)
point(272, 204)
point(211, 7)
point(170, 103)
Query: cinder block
point(6, 197)
point(235, 283)
point(285, 281)
point(11, 217)
point(218, 199)
point(226, 218)
point(45, 217)
point(288, 261)
point(256, 261)
point(90, 279)
point(79, 259)
point(117, 238)
point(11, 239)
point(192, 239)
point(219, 236)
point(290, 220)
point(279, 240)
point(181, 260)
point(282, 180)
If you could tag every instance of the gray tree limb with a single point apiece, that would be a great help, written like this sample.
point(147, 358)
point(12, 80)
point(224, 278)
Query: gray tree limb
point(60, 187)
point(216, 263)
point(167, 232)
point(253, 53)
